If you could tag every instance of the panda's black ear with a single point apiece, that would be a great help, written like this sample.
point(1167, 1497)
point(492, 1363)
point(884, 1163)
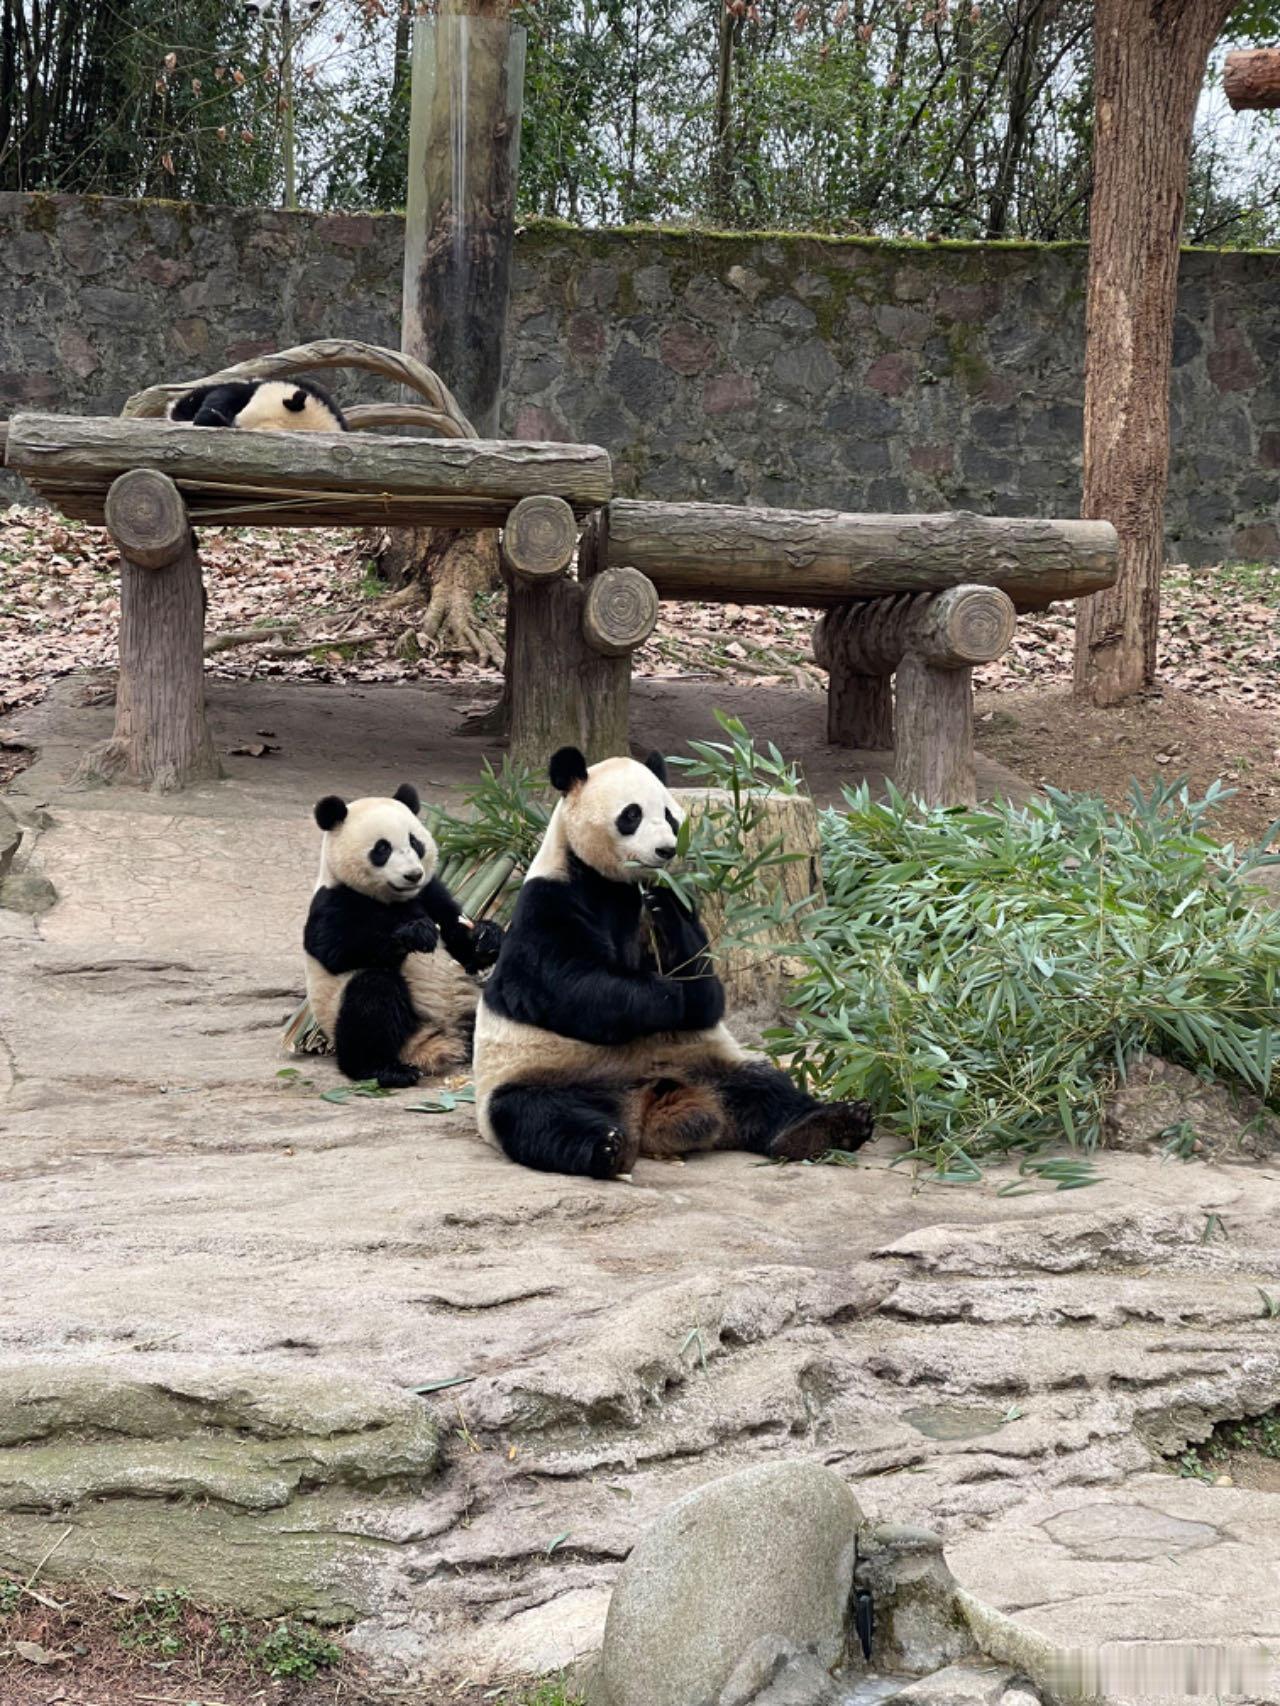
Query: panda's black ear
point(407, 795)
point(567, 768)
point(658, 764)
point(330, 811)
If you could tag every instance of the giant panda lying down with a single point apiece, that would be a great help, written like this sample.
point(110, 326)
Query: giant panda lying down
point(599, 1035)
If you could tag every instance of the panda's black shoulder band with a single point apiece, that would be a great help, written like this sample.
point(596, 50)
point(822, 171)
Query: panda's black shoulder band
point(330, 811)
point(567, 767)
point(407, 795)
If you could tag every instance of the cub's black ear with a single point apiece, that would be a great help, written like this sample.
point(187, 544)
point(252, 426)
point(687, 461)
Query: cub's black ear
point(407, 795)
point(567, 768)
point(658, 764)
point(330, 811)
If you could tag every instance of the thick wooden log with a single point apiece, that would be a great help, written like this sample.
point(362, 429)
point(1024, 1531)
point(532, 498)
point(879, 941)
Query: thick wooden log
point(749, 959)
point(559, 690)
point(1252, 79)
point(540, 537)
point(619, 612)
point(822, 557)
point(147, 519)
point(293, 477)
point(161, 736)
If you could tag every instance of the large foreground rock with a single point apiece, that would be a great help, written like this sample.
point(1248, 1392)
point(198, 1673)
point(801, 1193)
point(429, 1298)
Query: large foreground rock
point(766, 1555)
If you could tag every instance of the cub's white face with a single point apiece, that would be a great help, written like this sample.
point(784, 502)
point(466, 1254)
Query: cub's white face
point(379, 848)
point(622, 820)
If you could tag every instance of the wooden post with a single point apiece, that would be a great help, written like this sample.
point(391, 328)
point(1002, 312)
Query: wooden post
point(943, 638)
point(161, 735)
point(860, 646)
point(569, 662)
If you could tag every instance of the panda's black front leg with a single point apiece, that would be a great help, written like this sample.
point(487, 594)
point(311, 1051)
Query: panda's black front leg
point(375, 1021)
point(474, 946)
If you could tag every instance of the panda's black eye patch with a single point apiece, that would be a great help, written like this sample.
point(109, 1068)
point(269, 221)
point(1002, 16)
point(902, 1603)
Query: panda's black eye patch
point(628, 820)
point(671, 820)
point(417, 846)
point(380, 852)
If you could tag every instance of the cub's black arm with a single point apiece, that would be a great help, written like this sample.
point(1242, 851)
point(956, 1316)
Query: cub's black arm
point(473, 946)
point(345, 935)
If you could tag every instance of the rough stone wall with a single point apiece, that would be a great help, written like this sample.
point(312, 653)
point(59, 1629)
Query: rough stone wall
point(786, 370)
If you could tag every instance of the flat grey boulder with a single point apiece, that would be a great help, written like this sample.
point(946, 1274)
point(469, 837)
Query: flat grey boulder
point(27, 891)
point(766, 1555)
point(10, 836)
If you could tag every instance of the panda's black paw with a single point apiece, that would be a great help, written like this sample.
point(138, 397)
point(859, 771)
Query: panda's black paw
point(612, 1153)
point(397, 1077)
point(416, 936)
point(486, 943)
point(839, 1125)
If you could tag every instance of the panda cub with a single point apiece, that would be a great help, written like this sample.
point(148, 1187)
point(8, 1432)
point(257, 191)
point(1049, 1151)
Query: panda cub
point(392, 1007)
point(260, 405)
point(599, 1036)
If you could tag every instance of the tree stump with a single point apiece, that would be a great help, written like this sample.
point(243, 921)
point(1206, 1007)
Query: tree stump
point(161, 736)
point(860, 646)
point(539, 539)
point(750, 960)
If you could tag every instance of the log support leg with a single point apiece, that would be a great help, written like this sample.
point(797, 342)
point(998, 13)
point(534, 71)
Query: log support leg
point(161, 737)
point(569, 642)
point(932, 641)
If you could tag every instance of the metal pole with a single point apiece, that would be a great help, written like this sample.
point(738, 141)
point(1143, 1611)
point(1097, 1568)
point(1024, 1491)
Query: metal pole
point(286, 86)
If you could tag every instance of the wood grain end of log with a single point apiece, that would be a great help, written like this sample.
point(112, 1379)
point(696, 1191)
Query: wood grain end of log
point(619, 612)
point(962, 626)
point(1251, 79)
point(147, 518)
point(539, 538)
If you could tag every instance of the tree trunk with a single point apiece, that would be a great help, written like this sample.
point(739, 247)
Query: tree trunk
point(458, 281)
point(1149, 64)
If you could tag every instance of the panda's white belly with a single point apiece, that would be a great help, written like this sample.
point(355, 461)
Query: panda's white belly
point(440, 991)
point(507, 1052)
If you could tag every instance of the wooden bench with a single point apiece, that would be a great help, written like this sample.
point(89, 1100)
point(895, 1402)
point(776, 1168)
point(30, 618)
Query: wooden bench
point(909, 601)
point(151, 482)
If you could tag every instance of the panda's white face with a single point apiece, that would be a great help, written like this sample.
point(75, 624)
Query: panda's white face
point(618, 817)
point(376, 846)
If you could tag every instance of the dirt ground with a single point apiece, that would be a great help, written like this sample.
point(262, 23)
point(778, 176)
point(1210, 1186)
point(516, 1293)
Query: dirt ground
point(1048, 737)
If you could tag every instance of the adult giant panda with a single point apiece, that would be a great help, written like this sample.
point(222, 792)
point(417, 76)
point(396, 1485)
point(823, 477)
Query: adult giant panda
point(260, 405)
point(599, 1035)
point(392, 1007)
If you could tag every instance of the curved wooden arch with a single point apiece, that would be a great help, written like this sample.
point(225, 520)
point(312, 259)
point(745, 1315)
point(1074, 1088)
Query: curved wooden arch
point(440, 412)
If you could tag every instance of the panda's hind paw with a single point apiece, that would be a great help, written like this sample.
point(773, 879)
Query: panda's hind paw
point(612, 1153)
point(838, 1125)
point(397, 1077)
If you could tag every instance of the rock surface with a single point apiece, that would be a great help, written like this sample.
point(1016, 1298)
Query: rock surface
point(27, 891)
point(765, 1555)
point(10, 836)
point(177, 1213)
point(1135, 1590)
